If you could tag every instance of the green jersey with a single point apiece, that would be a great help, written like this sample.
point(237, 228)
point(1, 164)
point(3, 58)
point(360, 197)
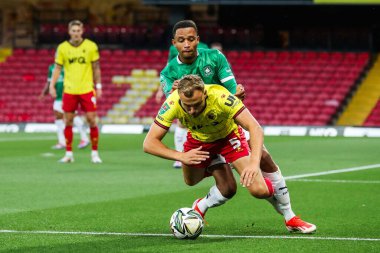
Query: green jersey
point(58, 84)
point(211, 65)
point(173, 52)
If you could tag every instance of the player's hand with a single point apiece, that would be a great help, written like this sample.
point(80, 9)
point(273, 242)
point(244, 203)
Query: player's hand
point(240, 92)
point(194, 156)
point(248, 175)
point(175, 86)
point(53, 91)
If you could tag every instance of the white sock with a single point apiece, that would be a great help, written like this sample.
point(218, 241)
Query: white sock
point(69, 153)
point(281, 194)
point(213, 198)
point(78, 123)
point(94, 153)
point(179, 138)
point(60, 128)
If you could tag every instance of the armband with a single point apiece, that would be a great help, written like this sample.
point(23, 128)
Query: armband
point(98, 86)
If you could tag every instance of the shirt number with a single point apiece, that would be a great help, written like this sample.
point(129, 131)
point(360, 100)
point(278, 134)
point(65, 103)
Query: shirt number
point(235, 143)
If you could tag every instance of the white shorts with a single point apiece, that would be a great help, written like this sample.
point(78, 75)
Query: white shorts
point(57, 106)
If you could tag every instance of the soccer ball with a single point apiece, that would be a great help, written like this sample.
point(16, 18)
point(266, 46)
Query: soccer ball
point(186, 223)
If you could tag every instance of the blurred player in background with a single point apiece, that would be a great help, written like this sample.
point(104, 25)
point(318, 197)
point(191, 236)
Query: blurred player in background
point(212, 115)
point(212, 66)
point(80, 59)
point(58, 113)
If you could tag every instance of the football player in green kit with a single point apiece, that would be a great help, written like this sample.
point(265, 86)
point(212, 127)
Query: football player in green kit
point(212, 66)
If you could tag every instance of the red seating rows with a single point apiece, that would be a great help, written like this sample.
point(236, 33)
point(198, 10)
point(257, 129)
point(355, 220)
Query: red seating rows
point(291, 88)
point(374, 118)
point(283, 88)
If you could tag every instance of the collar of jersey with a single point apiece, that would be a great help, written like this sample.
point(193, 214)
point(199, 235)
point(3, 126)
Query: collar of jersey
point(179, 61)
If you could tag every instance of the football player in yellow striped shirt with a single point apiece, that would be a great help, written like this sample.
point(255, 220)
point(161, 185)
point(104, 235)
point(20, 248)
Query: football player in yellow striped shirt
point(80, 59)
point(212, 115)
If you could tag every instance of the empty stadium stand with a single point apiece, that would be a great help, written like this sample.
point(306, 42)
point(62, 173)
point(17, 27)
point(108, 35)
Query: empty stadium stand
point(283, 87)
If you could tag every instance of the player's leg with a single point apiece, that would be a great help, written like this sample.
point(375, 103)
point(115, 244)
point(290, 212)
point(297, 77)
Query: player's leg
point(88, 103)
point(281, 197)
point(216, 166)
point(69, 106)
point(79, 124)
point(60, 124)
point(223, 190)
point(180, 134)
point(236, 151)
point(260, 188)
point(94, 136)
point(69, 156)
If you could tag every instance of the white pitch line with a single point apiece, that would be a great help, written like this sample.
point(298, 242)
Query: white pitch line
point(337, 181)
point(206, 236)
point(366, 167)
point(29, 138)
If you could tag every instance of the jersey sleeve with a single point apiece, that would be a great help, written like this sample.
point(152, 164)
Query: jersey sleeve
point(166, 114)
point(232, 105)
point(94, 52)
point(225, 74)
point(166, 81)
point(59, 55)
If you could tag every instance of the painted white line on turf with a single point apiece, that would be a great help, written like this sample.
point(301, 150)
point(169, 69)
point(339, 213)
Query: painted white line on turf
point(29, 138)
point(337, 181)
point(206, 236)
point(366, 167)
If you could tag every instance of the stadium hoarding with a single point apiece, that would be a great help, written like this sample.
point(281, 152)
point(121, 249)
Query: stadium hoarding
point(317, 131)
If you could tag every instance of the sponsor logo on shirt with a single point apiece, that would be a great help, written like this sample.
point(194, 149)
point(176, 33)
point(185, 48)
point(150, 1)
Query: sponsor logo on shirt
point(80, 60)
point(164, 108)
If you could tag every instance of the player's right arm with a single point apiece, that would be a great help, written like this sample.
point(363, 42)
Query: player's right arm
point(54, 78)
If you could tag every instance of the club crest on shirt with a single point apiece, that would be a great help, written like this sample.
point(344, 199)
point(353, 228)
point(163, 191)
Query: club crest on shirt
point(211, 115)
point(207, 70)
point(164, 108)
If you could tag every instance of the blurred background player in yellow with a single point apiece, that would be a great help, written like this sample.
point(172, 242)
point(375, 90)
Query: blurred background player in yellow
point(58, 113)
point(80, 59)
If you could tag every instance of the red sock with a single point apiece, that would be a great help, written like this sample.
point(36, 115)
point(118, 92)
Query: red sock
point(269, 185)
point(69, 137)
point(94, 136)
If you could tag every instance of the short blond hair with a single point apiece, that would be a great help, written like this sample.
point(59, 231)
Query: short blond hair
point(75, 22)
point(190, 83)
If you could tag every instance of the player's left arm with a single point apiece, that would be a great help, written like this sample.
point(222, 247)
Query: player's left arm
point(249, 123)
point(97, 78)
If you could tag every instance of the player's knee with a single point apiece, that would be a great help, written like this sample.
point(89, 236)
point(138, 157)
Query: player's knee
point(191, 181)
point(259, 191)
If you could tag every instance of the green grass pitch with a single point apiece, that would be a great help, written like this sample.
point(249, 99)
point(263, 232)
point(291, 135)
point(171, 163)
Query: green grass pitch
point(124, 204)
